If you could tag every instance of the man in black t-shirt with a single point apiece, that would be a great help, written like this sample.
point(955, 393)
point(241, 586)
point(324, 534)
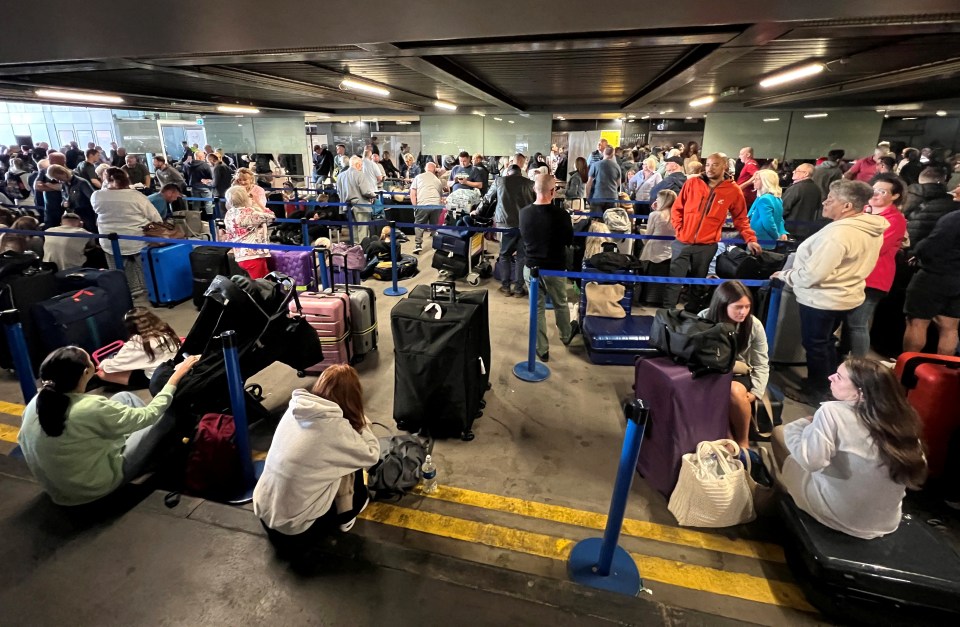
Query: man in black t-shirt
point(73, 155)
point(88, 168)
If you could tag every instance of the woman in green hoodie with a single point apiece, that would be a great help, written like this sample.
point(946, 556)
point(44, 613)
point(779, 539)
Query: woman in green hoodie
point(81, 447)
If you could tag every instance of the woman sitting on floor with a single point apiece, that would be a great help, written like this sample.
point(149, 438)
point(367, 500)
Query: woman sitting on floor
point(848, 465)
point(732, 302)
point(312, 480)
point(152, 342)
point(81, 447)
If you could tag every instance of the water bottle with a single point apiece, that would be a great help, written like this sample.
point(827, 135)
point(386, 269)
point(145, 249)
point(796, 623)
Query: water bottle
point(428, 473)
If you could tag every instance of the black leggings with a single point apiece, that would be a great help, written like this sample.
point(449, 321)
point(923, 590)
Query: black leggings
point(289, 546)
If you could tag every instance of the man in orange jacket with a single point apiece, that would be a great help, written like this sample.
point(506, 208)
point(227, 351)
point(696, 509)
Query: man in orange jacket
point(698, 215)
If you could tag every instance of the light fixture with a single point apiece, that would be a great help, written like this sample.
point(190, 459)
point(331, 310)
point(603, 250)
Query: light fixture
point(793, 75)
point(908, 118)
point(560, 117)
point(511, 122)
point(349, 83)
point(667, 111)
point(645, 117)
point(498, 119)
point(236, 109)
point(402, 122)
point(78, 96)
point(771, 119)
point(359, 122)
point(941, 113)
point(881, 110)
point(440, 104)
point(480, 113)
point(699, 102)
point(689, 117)
point(815, 115)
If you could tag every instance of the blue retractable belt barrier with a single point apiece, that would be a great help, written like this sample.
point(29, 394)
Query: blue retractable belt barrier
point(18, 351)
point(532, 370)
point(251, 471)
point(394, 289)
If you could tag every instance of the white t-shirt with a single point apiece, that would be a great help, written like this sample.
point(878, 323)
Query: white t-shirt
point(429, 189)
point(132, 357)
point(66, 252)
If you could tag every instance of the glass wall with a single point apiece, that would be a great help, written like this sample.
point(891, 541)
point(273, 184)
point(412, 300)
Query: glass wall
point(492, 135)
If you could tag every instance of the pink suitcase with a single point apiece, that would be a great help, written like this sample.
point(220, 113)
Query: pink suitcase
point(329, 315)
point(299, 265)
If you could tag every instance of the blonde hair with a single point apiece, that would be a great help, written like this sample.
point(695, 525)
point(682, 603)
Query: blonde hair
point(694, 167)
point(237, 196)
point(665, 199)
point(769, 182)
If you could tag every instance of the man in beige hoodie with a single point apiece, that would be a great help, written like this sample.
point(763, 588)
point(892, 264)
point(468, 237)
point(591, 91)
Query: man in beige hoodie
point(828, 277)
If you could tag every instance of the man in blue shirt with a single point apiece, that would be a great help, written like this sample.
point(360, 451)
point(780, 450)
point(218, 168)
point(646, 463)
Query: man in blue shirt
point(603, 181)
point(168, 200)
point(464, 175)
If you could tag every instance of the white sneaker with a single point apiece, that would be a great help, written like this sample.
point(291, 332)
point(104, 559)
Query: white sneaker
point(347, 526)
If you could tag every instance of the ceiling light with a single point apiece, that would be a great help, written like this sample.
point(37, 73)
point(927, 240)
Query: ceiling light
point(941, 113)
point(236, 109)
point(359, 122)
point(908, 118)
point(349, 83)
point(440, 104)
point(498, 119)
point(511, 122)
point(560, 117)
point(480, 113)
point(78, 96)
point(646, 117)
point(403, 122)
point(793, 75)
point(815, 115)
point(881, 110)
point(699, 102)
point(689, 117)
point(771, 119)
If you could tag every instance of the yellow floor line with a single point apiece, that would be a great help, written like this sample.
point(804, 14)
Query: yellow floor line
point(680, 574)
point(12, 409)
point(592, 520)
point(8, 433)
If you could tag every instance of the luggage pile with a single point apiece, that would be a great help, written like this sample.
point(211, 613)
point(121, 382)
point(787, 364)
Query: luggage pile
point(442, 350)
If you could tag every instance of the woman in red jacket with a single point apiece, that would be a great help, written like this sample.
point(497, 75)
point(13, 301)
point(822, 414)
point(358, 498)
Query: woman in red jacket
point(888, 190)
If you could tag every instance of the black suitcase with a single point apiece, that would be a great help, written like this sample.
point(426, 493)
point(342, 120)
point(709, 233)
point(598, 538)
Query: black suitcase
point(736, 263)
point(113, 281)
point(909, 577)
point(23, 283)
point(86, 318)
point(439, 372)
point(208, 262)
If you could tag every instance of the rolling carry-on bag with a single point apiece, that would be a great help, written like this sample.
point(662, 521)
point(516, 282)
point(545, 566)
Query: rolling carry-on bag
point(908, 577)
point(439, 373)
point(299, 265)
point(617, 341)
point(208, 262)
point(114, 281)
point(168, 274)
point(23, 284)
point(683, 412)
point(363, 319)
point(85, 318)
point(933, 389)
point(329, 313)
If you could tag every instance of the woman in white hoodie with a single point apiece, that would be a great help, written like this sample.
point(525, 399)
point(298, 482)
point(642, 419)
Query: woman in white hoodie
point(312, 480)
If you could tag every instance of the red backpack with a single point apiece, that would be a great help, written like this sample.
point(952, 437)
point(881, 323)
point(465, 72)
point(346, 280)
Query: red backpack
point(213, 468)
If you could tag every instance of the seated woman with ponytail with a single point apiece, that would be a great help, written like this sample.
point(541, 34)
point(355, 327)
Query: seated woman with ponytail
point(81, 447)
point(848, 465)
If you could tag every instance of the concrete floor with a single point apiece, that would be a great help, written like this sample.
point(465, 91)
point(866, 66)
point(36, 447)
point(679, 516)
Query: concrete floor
point(555, 442)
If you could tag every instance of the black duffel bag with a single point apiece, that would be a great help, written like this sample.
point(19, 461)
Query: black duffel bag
point(702, 345)
point(736, 263)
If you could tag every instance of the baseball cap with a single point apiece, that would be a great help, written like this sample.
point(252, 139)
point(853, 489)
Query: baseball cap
point(676, 160)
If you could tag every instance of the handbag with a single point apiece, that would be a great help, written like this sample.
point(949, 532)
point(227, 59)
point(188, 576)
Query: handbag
point(702, 345)
point(736, 263)
point(714, 488)
point(767, 412)
point(166, 230)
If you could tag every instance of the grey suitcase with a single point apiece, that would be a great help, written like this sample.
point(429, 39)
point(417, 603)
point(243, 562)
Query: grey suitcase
point(363, 319)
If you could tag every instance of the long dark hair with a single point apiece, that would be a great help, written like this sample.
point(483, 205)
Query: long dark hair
point(143, 322)
point(60, 373)
point(581, 166)
point(726, 293)
point(893, 424)
point(898, 184)
point(340, 383)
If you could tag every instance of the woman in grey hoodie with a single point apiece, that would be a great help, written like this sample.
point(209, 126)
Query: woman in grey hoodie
point(312, 480)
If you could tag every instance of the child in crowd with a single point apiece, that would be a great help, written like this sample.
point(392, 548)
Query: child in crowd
point(848, 465)
point(312, 482)
point(152, 342)
point(656, 253)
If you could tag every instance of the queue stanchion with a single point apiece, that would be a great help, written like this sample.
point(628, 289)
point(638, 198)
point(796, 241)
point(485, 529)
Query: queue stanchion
point(304, 232)
point(322, 270)
point(394, 290)
point(18, 351)
point(115, 246)
point(602, 563)
point(773, 311)
point(532, 370)
point(251, 470)
point(213, 230)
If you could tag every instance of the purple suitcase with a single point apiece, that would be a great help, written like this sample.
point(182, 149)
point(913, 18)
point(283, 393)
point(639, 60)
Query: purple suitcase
point(683, 412)
point(299, 265)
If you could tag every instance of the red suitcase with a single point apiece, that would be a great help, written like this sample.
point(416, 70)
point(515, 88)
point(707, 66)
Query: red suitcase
point(933, 389)
point(329, 314)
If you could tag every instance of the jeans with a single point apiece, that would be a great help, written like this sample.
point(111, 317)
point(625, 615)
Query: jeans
point(816, 334)
point(511, 243)
point(687, 260)
point(556, 287)
point(141, 444)
point(858, 323)
point(424, 216)
point(204, 206)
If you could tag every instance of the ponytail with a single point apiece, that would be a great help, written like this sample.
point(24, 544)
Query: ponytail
point(60, 372)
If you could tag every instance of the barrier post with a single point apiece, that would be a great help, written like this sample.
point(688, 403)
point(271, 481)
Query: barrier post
point(213, 229)
point(601, 563)
point(773, 312)
point(532, 370)
point(251, 471)
point(304, 232)
point(115, 245)
point(322, 268)
point(394, 290)
point(18, 351)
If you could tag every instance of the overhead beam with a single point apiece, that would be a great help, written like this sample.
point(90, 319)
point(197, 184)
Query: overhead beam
point(695, 66)
point(930, 71)
point(445, 71)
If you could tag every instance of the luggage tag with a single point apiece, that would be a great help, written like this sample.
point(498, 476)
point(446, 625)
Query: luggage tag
point(438, 313)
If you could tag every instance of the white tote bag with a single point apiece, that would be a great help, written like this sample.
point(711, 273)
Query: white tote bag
point(714, 488)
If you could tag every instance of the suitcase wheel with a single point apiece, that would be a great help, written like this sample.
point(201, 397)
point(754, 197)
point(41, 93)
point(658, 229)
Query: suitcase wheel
point(467, 436)
point(357, 359)
point(301, 373)
point(489, 386)
point(483, 404)
point(473, 279)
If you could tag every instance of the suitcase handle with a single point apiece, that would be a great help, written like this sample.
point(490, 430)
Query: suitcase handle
point(436, 289)
point(346, 273)
point(908, 376)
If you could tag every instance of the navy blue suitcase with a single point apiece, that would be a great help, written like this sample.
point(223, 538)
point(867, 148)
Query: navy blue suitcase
point(617, 341)
point(85, 318)
point(450, 243)
point(114, 281)
point(167, 274)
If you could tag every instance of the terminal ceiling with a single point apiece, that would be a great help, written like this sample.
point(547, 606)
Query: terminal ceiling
point(575, 58)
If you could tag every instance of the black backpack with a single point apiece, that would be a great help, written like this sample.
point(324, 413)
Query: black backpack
point(398, 471)
point(702, 345)
point(736, 263)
